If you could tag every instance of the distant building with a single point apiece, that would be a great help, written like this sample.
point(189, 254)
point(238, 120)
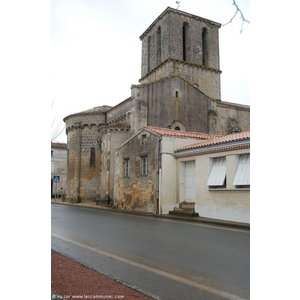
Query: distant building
point(179, 91)
point(58, 169)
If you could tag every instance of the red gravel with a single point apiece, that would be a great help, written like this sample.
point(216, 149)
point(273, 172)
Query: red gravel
point(73, 280)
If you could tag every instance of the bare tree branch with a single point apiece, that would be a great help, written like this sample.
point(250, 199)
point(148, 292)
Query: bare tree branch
point(57, 133)
point(56, 126)
point(238, 11)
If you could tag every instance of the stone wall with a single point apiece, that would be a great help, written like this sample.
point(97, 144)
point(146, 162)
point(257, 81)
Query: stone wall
point(111, 139)
point(174, 100)
point(137, 192)
point(226, 118)
point(119, 113)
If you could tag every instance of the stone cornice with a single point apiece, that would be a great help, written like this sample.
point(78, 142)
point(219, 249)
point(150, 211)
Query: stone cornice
point(168, 60)
point(178, 12)
point(233, 105)
point(115, 127)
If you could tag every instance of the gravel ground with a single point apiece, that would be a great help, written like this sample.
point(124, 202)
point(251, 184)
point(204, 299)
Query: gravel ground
point(72, 280)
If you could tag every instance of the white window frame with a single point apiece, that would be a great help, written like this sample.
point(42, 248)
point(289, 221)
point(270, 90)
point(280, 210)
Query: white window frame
point(242, 174)
point(217, 174)
point(144, 161)
point(126, 167)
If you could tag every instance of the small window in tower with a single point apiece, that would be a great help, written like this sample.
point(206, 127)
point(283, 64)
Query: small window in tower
point(149, 53)
point(158, 44)
point(184, 40)
point(204, 47)
point(177, 128)
point(176, 94)
point(92, 157)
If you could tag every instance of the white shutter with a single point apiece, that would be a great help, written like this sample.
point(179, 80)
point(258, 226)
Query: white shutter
point(242, 175)
point(218, 172)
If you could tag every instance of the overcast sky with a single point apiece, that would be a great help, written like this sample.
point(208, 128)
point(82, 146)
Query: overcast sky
point(96, 51)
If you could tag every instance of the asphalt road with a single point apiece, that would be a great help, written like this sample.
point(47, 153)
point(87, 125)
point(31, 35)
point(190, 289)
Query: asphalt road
point(165, 258)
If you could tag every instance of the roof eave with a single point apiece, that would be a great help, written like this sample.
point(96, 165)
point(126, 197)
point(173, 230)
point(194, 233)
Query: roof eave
point(213, 148)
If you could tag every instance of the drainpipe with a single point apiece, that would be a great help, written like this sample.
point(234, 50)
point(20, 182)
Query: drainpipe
point(158, 178)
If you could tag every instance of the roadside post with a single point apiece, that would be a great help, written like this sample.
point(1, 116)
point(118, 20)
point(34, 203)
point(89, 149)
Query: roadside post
point(56, 180)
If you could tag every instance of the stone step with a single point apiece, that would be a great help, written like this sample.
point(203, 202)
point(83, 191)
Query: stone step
point(183, 213)
point(188, 210)
point(187, 205)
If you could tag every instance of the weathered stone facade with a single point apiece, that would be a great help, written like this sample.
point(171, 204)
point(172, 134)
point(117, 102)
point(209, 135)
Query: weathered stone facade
point(179, 89)
point(178, 102)
point(83, 167)
point(140, 182)
point(110, 138)
point(136, 190)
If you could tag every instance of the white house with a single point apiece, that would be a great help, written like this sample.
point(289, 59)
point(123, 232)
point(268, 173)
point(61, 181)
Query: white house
point(215, 174)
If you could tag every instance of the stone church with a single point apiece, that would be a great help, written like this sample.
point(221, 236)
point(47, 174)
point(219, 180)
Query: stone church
point(179, 91)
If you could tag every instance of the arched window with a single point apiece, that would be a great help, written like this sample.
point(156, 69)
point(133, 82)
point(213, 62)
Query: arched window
point(92, 157)
point(149, 54)
point(158, 44)
point(204, 47)
point(184, 40)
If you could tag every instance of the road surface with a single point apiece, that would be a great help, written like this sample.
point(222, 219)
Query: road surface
point(168, 259)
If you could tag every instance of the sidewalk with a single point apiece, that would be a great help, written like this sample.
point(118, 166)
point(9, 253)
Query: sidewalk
point(73, 280)
point(190, 219)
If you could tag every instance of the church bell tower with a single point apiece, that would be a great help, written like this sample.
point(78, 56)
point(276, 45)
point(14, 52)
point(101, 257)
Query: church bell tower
point(183, 45)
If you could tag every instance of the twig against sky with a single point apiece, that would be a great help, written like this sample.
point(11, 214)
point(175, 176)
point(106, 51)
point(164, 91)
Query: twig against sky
point(55, 133)
point(238, 11)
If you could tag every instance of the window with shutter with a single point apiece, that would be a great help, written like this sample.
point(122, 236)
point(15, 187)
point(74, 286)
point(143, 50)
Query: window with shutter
point(217, 175)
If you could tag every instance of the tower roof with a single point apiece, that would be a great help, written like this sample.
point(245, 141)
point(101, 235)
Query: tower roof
point(92, 111)
point(180, 12)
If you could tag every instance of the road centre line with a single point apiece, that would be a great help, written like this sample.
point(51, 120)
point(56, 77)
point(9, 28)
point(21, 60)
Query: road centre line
point(168, 275)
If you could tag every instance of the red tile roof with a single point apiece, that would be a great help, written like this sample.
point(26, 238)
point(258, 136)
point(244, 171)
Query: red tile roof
point(219, 140)
point(58, 145)
point(179, 133)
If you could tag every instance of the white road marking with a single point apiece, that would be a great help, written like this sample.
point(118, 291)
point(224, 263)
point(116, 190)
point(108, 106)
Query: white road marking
point(195, 284)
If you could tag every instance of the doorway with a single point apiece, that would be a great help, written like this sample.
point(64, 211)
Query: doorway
point(190, 181)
